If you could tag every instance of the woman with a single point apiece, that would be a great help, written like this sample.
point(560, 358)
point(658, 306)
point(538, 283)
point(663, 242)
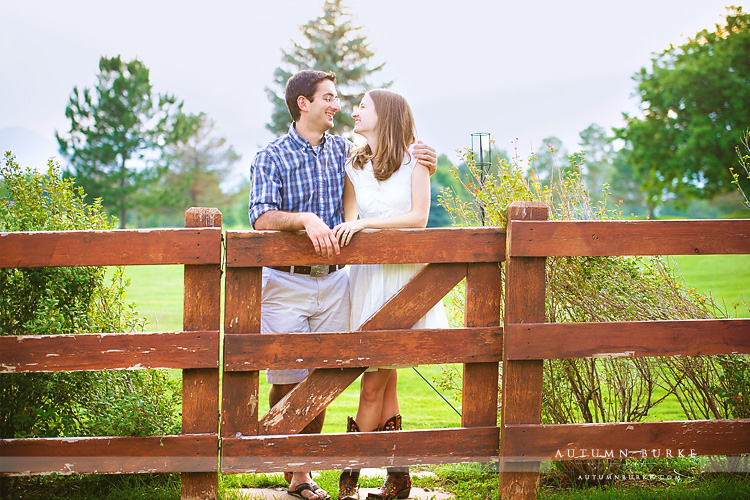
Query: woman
point(387, 189)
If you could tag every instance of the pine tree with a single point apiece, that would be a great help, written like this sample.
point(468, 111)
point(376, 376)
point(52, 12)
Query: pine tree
point(113, 130)
point(332, 43)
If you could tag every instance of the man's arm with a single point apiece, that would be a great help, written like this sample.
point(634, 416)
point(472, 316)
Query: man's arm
point(265, 198)
point(425, 155)
point(320, 234)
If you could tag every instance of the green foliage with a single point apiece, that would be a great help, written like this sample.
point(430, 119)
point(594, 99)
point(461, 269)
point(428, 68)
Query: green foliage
point(93, 487)
point(743, 154)
point(115, 131)
point(332, 43)
point(695, 107)
point(192, 168)
point(593, 289)
point(66, 301)
point(734, 389)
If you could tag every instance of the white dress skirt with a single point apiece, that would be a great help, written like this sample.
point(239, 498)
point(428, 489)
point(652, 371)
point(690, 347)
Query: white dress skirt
point(371, 285)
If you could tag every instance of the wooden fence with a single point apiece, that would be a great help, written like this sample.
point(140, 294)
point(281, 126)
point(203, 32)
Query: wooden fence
point(249, 442)
point(195, 350)
point(528, 340)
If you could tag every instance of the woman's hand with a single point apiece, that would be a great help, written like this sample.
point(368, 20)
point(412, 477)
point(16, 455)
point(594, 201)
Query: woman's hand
point(346, 230)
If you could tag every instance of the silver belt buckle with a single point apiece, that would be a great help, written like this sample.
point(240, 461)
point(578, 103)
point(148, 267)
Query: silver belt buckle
point(318, 271)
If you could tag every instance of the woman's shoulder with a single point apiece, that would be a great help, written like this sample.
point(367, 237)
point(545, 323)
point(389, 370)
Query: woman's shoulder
point(409, 162)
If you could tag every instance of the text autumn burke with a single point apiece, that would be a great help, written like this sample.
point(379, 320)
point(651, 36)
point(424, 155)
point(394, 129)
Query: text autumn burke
point(580, 454)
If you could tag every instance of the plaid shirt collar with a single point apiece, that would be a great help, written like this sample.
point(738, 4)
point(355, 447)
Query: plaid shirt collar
point(304, 143)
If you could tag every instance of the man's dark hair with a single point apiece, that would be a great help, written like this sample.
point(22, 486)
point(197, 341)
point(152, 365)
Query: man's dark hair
point(304, 83)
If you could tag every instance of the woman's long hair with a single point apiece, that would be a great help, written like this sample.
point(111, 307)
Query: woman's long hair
point(395, 131)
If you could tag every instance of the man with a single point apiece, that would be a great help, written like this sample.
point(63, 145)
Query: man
point(297, 182)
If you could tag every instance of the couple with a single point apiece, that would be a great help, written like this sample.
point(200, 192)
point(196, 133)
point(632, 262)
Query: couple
point(309, 179)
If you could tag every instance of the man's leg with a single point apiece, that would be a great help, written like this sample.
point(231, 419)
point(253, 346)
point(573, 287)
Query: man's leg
point(287, 304)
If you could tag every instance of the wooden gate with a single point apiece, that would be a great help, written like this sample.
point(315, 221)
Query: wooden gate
point(253, 443)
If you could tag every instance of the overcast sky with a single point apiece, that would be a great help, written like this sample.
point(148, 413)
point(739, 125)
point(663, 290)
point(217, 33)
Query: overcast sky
point(524, 70)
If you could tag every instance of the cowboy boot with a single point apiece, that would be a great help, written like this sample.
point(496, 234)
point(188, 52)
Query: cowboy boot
point(348, 487)
point(398, 481)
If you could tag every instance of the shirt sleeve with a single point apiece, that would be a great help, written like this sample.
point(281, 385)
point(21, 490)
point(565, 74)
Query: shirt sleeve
point(265, 186)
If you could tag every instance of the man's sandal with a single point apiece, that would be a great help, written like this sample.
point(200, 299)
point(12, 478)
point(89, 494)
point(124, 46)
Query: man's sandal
point(297, 492)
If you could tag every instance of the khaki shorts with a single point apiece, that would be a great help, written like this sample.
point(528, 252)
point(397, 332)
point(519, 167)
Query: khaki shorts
point(296, 303)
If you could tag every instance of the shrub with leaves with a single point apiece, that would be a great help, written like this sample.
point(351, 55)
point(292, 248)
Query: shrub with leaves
point(594, 289)
point(69, 300)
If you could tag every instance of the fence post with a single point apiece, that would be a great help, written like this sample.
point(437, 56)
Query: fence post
point(200, 387)
point(240, 398)
point(525, 279)
point(483, 301)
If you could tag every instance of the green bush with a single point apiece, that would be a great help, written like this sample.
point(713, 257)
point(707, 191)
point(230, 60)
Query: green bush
point(596, 289)
point(70, 300)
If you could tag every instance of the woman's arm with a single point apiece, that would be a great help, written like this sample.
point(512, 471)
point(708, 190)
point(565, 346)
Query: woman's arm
point(416, 217)
point(350, 201)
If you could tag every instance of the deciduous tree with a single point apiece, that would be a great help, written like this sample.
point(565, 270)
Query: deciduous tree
point(194, 164)
point(695, 107)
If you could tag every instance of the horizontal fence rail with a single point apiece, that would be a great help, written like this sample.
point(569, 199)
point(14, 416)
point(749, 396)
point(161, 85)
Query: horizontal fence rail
point(386, 246)
point(108, 351)
point(360, 449)
point(609, 238)
point(627, 440)
point(362, 348)
point(120, 247)
point(109, 455)
point(627, 339)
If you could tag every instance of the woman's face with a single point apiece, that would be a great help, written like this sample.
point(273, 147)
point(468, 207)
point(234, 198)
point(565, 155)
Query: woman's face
point(365, 117)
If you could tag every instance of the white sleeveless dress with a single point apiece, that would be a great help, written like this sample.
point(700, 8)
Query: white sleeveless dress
point(371, 285)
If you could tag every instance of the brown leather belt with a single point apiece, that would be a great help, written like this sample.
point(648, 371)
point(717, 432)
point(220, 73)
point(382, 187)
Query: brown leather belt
point(314, 271)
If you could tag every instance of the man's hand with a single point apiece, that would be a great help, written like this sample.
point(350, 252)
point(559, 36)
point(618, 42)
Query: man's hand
point(425, 155)
point(322, 236)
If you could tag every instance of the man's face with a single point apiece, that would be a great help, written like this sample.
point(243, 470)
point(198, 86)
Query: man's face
point(324, 105)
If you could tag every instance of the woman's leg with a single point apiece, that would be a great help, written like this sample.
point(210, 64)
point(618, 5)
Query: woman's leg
point(371, 393)
point(390, 399)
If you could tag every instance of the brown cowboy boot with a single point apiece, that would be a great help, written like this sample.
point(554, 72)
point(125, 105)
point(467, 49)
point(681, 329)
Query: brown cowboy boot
point(348, 487)
point(398, 482)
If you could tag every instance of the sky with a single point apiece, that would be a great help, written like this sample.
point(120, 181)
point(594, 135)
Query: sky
point(522, 71)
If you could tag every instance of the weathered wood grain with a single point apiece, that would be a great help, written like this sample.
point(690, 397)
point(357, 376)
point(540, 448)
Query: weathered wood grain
point(119, 247)
point(382, 246)
point(321, 387)
point(645, 237)
point(109, 455)
point(483, 302)
point(360, 449)
point(240, 390)
point(200, 387)
point(522, 380)
point(626, 440)
point(362, 349)
point(628, 339)
point(109, 351)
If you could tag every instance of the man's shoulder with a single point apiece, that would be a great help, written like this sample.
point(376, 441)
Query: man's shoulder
point(339, 143)
point(277, 148)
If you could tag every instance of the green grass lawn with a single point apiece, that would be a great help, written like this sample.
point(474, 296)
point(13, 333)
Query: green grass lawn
point(726, 278)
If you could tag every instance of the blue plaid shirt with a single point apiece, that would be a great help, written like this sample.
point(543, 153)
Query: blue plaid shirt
point(292, 176)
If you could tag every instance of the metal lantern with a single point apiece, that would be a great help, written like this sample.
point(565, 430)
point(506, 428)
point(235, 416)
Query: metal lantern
point(479, 142)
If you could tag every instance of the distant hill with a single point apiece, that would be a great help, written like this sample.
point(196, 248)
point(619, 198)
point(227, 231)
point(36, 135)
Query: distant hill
point(30, 149)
